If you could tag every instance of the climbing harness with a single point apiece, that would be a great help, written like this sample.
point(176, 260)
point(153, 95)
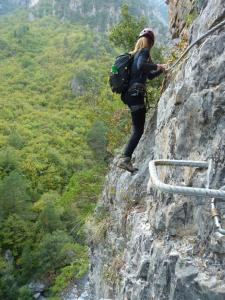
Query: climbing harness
point(188, 191)
point(137, 89)
point(195, 42)
point(134, 108)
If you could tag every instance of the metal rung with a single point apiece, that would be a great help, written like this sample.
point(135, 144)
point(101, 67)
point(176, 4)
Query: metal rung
point(188, 191)
point(176, 189)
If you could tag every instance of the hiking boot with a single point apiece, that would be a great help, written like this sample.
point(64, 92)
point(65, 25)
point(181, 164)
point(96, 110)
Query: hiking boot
point(125, 164)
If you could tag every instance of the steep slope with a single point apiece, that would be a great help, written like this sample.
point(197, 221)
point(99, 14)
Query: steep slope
point(157, 245)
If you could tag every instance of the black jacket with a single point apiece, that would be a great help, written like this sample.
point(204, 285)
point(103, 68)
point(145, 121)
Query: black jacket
point(142, 69)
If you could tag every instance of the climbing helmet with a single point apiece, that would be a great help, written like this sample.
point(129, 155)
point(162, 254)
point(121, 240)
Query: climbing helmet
point(147, 32)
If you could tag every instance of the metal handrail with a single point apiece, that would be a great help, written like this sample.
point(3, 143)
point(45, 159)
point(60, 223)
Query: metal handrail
point(183, 190)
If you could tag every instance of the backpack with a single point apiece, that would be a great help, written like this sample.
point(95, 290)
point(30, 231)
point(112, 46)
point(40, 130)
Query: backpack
point(120, 73)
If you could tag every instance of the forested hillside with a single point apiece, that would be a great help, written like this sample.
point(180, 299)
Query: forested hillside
point(57, 132)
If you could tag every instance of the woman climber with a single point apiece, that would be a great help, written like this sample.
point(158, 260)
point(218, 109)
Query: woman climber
point(141, 70)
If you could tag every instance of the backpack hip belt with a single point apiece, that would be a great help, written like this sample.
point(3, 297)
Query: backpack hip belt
point(137, 89)
point(134, 108)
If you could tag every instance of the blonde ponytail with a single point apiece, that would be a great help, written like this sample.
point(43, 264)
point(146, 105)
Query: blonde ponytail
point(142, 42)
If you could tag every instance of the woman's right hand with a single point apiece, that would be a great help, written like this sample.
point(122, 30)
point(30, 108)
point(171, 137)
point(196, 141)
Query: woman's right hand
point(161, 67)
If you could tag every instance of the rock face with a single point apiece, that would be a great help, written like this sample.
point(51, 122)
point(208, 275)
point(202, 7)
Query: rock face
point(182, 13)
point(97, 14)
point(178, 12)
point(102, 15)
point(10, 5)
point(163, 246)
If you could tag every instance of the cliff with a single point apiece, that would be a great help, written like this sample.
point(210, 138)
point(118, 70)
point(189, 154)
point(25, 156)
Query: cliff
point(163, 246)
point(101, 15)
point(8, 5)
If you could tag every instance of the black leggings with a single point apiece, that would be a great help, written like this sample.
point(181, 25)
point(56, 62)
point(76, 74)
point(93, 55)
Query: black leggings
point(138, 122)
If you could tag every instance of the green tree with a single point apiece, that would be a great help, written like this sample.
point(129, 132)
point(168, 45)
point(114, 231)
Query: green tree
point(52, 253)
point(96, 139)
point(14, 234)
point(25, 293)
point(8, 161)
point(46, 257)
point(14, 195)
point(124, 34)
point(16, 140)
point(49, 219)
point(28, 262)
point(8, 283)
point(21, 31)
